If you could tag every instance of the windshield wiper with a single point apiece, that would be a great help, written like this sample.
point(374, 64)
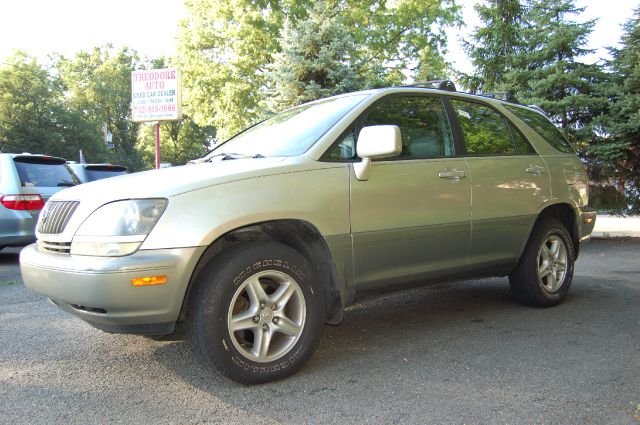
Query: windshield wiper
point(224, 156)
point(66, 184)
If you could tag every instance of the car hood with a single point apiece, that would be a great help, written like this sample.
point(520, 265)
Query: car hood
point(168, 182)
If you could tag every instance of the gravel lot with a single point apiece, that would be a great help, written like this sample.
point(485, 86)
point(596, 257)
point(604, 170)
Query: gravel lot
point(460, 353)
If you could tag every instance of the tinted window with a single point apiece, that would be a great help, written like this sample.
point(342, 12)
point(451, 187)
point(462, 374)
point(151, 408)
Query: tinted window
point(543, 127)
point(39, 173)
point(344, 148)
point(485, 131)
point(423, 123)
point(103, 174)
point(522, 146)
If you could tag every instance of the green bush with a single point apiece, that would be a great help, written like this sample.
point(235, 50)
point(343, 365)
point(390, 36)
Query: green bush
point(607, 199)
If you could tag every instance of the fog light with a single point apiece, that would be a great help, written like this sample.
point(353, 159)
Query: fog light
point(149, 280)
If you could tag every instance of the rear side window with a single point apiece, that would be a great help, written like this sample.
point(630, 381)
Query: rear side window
point(40, 172)
point(543, 127)
point(487, 132)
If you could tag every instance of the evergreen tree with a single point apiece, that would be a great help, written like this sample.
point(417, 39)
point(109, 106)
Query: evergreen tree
point(548, 72)
point(495, 44)
point(618, 153)
point(316, 60)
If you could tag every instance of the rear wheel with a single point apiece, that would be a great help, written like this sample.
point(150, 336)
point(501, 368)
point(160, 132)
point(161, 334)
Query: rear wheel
point(545, 271)
point(256, 313)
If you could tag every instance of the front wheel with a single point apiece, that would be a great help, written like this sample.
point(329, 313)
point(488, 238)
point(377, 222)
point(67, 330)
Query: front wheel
point(256, 312)
point(543, 275)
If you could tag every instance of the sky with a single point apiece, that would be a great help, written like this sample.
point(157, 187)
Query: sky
point(41, 27)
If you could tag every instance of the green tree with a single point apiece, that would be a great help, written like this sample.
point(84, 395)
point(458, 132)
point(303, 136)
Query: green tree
point(98, 84)
point(179, 142)
point(316, 60)
point(225, 49)
point(548, 71)
point(495, 44)
point(617, 155)
point(534, 51)
point(33, 114)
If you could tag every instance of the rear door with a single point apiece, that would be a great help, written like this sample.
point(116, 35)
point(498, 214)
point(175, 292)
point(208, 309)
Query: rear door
point(509, 184)
point(410, 220)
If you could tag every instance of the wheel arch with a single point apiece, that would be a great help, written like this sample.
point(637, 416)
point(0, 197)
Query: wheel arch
point(564, 213)
point(297, 234)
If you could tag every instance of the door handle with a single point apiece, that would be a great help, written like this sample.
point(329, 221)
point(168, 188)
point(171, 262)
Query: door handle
point(535, 169)
point(452, 174)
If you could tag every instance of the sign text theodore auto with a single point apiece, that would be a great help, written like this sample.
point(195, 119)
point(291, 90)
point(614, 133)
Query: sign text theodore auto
point(156, 95)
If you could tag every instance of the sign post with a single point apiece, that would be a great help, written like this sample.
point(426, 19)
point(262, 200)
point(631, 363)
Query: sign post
point(156, 97)
point(157, 145)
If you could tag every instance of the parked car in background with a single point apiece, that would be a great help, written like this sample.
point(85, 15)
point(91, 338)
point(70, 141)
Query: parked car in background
point(91, 172)
point(254, 246)
point(27, 181)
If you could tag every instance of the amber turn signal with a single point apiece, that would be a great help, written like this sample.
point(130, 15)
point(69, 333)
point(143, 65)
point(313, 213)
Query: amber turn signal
point(149, 280)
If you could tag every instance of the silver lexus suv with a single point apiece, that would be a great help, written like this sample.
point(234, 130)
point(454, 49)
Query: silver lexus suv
point(250, 249)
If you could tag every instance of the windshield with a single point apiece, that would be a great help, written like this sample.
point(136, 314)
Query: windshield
point(290, 132)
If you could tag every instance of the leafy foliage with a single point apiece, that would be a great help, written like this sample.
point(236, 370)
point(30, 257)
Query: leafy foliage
point(33, 115)
point(99, 88)
point(227, 50)
point(179, 142)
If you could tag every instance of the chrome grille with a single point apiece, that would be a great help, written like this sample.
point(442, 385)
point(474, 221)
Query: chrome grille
point(58, 247)
point(55, 215)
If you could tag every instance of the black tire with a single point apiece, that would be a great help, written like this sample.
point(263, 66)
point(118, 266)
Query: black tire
point(527, 285)
point(219, 285)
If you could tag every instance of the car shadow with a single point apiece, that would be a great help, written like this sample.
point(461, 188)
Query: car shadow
point(439, 327)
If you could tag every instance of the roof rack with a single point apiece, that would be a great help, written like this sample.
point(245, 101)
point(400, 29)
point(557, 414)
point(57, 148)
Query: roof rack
point(435, 84)
point(502, 95)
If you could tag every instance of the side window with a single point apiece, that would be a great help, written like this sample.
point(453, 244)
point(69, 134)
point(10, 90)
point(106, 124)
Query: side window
point(423, 123)
point(485, 131)
point(543, 127)
point(344, 148)
point(522, 146)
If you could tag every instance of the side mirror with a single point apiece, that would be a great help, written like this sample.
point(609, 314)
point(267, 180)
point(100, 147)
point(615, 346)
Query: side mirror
point(374, 142)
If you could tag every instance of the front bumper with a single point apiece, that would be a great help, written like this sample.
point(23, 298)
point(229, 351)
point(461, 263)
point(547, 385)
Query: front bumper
point(99, 289)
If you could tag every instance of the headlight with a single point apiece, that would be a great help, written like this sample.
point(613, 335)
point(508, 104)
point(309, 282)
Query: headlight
point(118, 228)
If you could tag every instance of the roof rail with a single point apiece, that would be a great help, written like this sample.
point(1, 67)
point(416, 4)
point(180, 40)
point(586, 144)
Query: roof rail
point(502, 95)
point(435, 84)
point(537, 108)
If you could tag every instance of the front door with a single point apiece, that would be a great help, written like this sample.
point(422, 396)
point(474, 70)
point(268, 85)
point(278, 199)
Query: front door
point(410, 221)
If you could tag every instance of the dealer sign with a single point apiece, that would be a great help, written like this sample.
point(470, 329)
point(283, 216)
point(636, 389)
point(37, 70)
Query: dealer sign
point(156, 95)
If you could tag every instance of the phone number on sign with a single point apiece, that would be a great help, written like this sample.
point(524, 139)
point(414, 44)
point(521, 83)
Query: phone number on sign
point(153, 109)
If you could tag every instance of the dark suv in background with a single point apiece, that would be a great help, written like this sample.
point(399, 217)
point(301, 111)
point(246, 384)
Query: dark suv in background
point(92, 172)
